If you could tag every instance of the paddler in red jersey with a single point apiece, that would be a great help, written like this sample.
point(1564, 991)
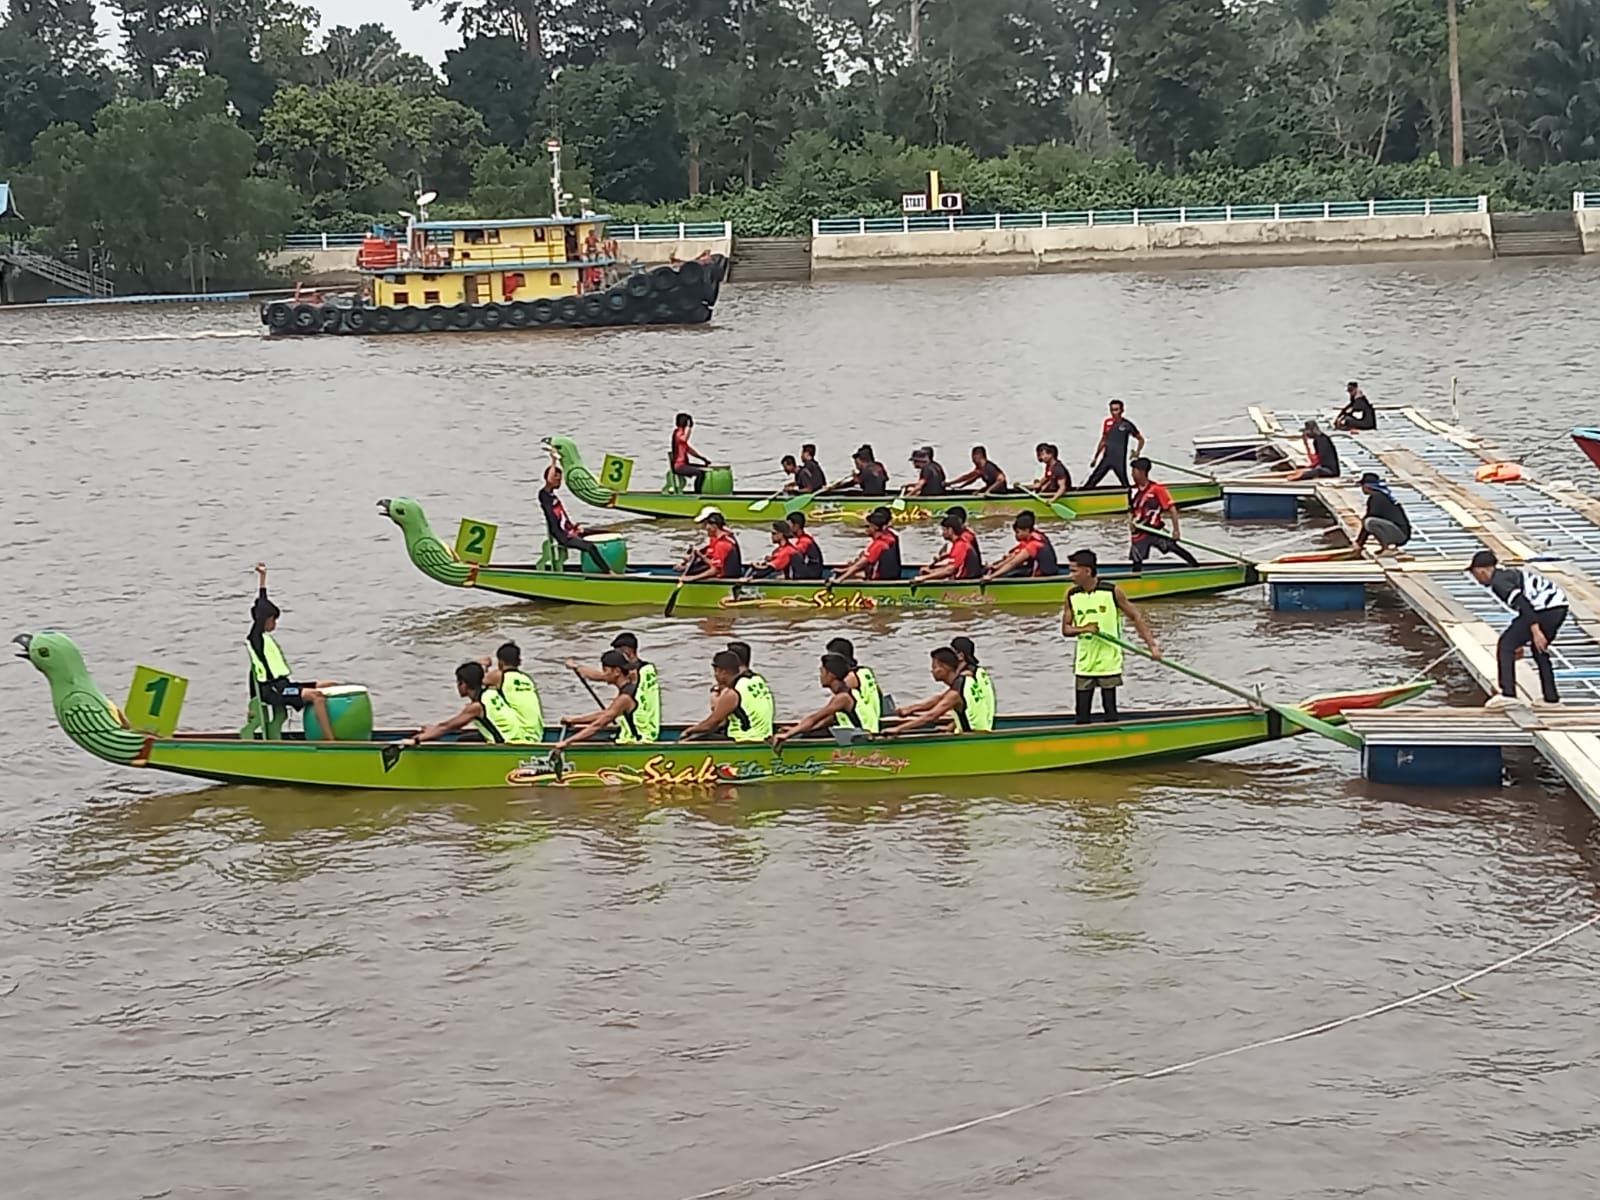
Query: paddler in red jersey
point(1150, 505)
point(960, 559)
point(719, 558)
point(1034, 554)
point(808, 563)
point(881, 559)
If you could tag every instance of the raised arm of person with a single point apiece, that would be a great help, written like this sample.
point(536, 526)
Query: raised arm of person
point(722, 707)
point(926, 712)
point(593, 674)
point(1133, 614)
point(837, 703)
point(587, 726)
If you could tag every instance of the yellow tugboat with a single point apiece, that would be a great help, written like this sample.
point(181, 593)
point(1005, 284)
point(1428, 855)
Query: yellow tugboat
point(513, 273)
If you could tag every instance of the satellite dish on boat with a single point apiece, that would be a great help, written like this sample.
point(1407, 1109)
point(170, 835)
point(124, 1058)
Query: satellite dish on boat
point(426, 199)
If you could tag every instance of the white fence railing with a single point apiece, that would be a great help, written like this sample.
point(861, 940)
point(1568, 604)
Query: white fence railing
point(1188, 214)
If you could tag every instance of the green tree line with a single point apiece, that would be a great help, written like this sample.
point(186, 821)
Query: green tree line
point(211, 127)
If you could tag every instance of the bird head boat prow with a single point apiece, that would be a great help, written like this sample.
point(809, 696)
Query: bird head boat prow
point(579, 478)
point(431, 556)
point(84, 712)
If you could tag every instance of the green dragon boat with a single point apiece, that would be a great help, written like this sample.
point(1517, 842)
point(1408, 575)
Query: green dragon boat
point(652, 585)
point(610, 490)
point(1018, 744)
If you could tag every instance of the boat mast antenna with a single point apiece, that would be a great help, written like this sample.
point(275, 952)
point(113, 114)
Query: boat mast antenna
point(554, 146)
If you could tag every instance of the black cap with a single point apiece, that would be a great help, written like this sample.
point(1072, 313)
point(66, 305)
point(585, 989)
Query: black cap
point(1371, 477)
point(1484, 558)
point(624, 641)
point(880, 517)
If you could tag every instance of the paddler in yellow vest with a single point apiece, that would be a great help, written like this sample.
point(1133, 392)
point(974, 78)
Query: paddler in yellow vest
point(958, 701)
point(741, 708)
point(485, 713)
point(981, 692)
point(270, 681)
point(863, 683)
point(649, 680)
point(840, 710)
point(517, 686)
point(626, 712)
point(1094, 606)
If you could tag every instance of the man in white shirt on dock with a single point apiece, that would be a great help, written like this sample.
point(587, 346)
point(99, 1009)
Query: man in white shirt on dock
point(1540, 607)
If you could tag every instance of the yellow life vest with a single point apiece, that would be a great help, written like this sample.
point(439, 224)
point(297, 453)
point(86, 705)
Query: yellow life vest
point(869, 700)
point(275, 666)
point(499, 722)
point(752, 720)
point(1096, 656)
point(522, 694)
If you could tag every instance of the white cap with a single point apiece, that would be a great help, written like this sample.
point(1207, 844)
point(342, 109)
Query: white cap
point(710, 510)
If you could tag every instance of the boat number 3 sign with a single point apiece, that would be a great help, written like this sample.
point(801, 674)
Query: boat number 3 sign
point(615, 472)
point(475, 541)
point(154, 701)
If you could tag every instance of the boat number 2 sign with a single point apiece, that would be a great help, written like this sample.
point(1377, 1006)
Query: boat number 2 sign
point(154, 701)
point(615, 473)
point(475, 541)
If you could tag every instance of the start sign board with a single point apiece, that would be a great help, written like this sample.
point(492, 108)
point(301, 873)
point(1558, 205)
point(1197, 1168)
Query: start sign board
point(913, 202)
point(154, 700)
point(475, 541)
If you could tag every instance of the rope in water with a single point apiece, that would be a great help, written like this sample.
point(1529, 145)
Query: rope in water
point(989, 1118)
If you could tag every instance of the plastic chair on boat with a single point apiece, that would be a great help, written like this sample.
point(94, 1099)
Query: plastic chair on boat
point(553, 557)
point(263, 723)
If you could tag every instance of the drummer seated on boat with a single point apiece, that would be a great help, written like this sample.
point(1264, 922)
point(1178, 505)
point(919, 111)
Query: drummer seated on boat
point(1033, 555)
point(719, 558)
point(960, 559)
point(625, 714)
point(485, 717)
point(688, 464)
point(881, 559)
point(741, 706)
point(270, 681)
point(955, 704)
point(986, 474)
point(930, 480)
point(839, 710)
point(564, 531)
point(1054, 478)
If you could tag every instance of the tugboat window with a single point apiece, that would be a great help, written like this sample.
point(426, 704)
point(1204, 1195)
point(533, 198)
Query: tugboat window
point(538, 233)
point(430, 297)
point(555, 278)
point(473, 237)
point(494, 236)
point(402, 297)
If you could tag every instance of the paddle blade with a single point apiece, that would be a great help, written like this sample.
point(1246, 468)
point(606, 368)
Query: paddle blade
point(1064, 512)
point(796, 503)
point(391, 755)
point(672, 601)
point(1336, 733)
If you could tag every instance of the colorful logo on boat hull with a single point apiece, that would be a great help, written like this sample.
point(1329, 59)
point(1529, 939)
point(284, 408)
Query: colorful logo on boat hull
point(661, 771)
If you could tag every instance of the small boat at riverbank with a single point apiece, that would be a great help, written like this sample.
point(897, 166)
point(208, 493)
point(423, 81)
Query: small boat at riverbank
point(512, 273)
point(1589, 442)
point(1018, 744)
point(610, 490)
point(653, 585)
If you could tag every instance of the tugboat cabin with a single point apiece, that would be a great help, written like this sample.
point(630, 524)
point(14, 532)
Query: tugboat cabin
point(486, 262)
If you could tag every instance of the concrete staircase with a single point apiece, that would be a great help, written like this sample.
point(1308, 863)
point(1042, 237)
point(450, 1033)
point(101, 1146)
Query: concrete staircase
point(1519, 234)
point(770, 260)
point(56, 271)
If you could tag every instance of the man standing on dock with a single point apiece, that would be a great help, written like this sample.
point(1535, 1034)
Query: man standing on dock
point(1540, 607)
point(1385, 520)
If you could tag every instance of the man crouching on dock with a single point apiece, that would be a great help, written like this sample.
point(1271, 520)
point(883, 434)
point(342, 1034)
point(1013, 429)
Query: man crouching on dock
point(1540, 607)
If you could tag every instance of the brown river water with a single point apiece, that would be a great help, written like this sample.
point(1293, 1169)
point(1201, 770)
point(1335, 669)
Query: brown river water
point(265, 994)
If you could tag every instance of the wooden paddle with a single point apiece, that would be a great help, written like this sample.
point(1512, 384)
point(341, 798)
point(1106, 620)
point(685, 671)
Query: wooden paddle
point(589, 687)
point(761, 505)
point(1206, 475)
point(1061, 510)
point(1217, 550)
point(1295, 716)
point(672, 600)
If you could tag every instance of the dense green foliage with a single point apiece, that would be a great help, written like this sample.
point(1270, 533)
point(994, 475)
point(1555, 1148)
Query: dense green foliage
point(223, 123)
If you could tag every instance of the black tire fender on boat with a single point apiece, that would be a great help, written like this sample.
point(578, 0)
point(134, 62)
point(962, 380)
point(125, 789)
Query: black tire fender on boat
point(593, 308)
point(638, 285)
point(332, 316)
point(692, 273)
point(491, 316)
point(663, 279)
point(543, 312)
point(408, 319)
point(617, 304)
point(517, 315)
point(699, 314)
point(306, 319)
point(686, 302)
point(664, 314)
point(568, 311)
point(279, 316)
point(461, 317)
point(383, 320)
point(437, 317)
point(359, 319)
point(262, 311)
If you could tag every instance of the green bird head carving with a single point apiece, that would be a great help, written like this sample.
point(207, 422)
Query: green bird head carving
point(432, 557)
point(85, 713)
point(579, 478)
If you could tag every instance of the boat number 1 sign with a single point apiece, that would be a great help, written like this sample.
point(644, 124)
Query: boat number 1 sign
point(154, 701)
point(615, 473)
point(475, 541)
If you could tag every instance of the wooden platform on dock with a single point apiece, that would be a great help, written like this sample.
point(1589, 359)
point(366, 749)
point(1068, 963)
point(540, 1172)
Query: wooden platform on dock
point(1552, 526)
